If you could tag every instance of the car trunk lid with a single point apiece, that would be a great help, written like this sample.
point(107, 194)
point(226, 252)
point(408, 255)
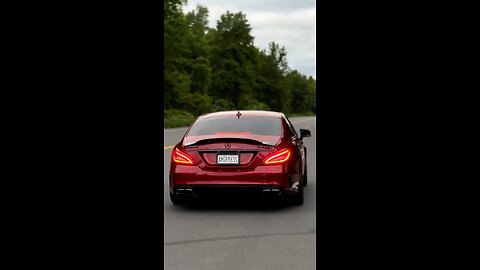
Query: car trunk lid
point(247, 153)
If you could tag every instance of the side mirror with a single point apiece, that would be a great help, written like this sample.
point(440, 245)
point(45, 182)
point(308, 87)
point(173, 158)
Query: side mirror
point(305, 133)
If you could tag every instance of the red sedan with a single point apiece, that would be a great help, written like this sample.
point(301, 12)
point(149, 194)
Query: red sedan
point(254, 151)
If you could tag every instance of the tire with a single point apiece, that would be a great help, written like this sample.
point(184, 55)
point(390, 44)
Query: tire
point(175, 199)
point(298, 198)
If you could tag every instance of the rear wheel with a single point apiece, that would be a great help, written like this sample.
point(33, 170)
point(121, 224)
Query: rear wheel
point(298, 198)
point(175, 199)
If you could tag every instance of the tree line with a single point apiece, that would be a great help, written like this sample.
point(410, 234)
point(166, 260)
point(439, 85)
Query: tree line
point(212, 69)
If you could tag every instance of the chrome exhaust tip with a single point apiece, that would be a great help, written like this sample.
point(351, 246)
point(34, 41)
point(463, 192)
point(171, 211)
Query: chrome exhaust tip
point(271, 191)
point(185, 191)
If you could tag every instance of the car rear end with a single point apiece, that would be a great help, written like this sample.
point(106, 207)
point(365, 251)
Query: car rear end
point(231, 154)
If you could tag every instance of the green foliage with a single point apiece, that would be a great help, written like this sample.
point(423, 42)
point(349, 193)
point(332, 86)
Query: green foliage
point(233, 30)
point(312, 94)
point(220, 69)
point(299, 89)
point(232, 51)
point(198, 20)
point(223, 105)
point(177, 118)
point(256, 105)
point(196, 103)
point(172, 8)
point(200, 73)
point(176, 85)
point(271, 69)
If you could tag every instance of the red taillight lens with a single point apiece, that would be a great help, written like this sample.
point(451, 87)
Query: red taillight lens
point(181, 158)
point(279, 157)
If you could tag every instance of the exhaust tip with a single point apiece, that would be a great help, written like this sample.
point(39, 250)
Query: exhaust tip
point(271, 191)
point(185, 191)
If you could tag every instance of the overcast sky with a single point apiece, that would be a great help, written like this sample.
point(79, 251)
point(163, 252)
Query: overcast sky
point(289, 23)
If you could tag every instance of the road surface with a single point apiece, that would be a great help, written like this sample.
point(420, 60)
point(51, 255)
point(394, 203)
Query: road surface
point(241, 237)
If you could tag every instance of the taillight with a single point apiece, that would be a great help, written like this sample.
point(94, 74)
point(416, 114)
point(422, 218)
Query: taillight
point(279, 157)
point(181, 158)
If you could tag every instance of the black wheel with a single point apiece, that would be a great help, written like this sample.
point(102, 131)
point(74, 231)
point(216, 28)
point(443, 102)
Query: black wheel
point(175, 199)
point(305, 175)
point(298, 198)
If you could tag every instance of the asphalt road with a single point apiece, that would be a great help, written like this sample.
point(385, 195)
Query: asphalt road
point(241, 236)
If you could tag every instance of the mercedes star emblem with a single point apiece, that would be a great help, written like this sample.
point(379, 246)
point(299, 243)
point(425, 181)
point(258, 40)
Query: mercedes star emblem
point(227, 145)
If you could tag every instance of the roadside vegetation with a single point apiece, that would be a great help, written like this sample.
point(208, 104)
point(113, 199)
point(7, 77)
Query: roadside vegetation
point(215, 69)
point(177, 118)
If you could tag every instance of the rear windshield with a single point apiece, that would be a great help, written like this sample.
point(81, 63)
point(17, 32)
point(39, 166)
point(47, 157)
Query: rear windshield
point(245, 125)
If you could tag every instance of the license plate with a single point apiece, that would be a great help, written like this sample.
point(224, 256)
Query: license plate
point(227, 159)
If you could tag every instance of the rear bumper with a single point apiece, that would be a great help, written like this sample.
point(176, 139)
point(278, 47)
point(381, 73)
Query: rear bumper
point(228, 191)
point(255, 180)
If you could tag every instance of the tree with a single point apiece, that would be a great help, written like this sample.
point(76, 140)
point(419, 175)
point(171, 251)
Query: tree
point(200, 73)
point(172, 8)
point(298, 86)
point(270, 82)
point(198, 21)
point(231, 57)
point(215, 69)
point(312, 89)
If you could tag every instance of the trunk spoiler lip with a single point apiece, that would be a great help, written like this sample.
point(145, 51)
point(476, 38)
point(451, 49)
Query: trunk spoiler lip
point(232, 138)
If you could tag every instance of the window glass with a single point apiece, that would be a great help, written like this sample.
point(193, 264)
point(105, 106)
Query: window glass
point(244, 125)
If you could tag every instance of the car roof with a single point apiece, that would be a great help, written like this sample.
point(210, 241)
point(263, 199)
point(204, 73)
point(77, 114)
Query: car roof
point(244, 113)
